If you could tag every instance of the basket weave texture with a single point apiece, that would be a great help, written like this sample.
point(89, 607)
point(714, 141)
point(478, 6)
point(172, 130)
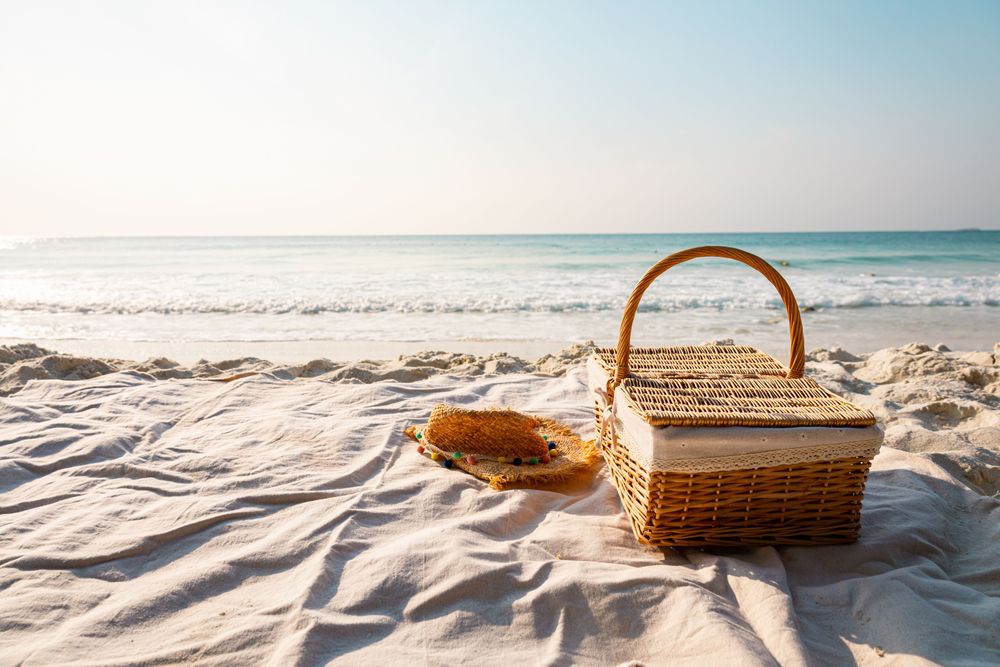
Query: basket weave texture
point(742, 388)
point(753, 501)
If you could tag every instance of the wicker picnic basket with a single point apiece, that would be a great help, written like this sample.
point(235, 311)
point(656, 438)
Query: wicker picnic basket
point(721, 444)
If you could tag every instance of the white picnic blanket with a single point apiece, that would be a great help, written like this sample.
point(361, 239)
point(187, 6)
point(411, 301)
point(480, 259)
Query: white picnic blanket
point(289, 522)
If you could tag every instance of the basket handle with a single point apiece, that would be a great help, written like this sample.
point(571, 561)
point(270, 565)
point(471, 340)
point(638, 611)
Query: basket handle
point(797, 356)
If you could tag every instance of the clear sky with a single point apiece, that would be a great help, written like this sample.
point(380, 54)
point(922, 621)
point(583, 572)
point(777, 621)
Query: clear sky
point(458, 117)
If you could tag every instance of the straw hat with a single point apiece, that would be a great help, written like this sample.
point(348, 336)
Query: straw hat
point(503, 447)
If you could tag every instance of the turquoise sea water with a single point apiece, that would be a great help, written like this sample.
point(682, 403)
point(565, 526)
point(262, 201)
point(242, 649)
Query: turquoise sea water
point(861, 290)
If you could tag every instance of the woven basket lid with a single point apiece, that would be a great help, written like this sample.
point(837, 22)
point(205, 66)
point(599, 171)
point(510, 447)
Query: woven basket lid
point(725, 385)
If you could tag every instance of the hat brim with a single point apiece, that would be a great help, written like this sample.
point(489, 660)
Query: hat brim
point(576, 457)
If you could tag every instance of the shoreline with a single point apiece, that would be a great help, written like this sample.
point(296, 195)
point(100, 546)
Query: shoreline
point(767, 331)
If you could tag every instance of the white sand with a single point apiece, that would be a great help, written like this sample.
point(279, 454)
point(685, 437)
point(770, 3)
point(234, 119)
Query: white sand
point(277, 521)
point(297, 351)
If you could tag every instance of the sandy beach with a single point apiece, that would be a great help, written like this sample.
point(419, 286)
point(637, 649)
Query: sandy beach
point(251, 512)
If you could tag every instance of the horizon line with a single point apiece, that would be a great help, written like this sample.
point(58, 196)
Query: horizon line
point(493, 234)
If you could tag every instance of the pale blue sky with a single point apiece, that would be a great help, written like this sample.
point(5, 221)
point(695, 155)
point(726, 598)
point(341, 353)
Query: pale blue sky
point(452, 117)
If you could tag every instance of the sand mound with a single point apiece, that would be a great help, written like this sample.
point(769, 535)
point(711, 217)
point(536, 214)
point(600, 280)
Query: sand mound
point(929, 400)
point(22, 363)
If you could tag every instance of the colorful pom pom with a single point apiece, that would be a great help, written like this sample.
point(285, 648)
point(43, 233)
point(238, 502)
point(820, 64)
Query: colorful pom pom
point(435, 456)
point(419, 435)
point(545, 437)
point(553, 453)
point(517, 460)
point(552, 445)
point(546, 459)
point(533, 460)
point(448, 463)
point(456, 455)
point(471, 460)
point(420, 449)
point(501, 459)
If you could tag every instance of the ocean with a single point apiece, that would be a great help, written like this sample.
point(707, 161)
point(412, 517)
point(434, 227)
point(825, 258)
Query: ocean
point(371, 296)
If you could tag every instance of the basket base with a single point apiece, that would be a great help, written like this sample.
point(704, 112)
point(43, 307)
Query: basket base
point(802, 504)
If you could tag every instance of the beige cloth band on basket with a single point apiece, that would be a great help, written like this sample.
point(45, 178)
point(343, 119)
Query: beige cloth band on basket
point(711, 449)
